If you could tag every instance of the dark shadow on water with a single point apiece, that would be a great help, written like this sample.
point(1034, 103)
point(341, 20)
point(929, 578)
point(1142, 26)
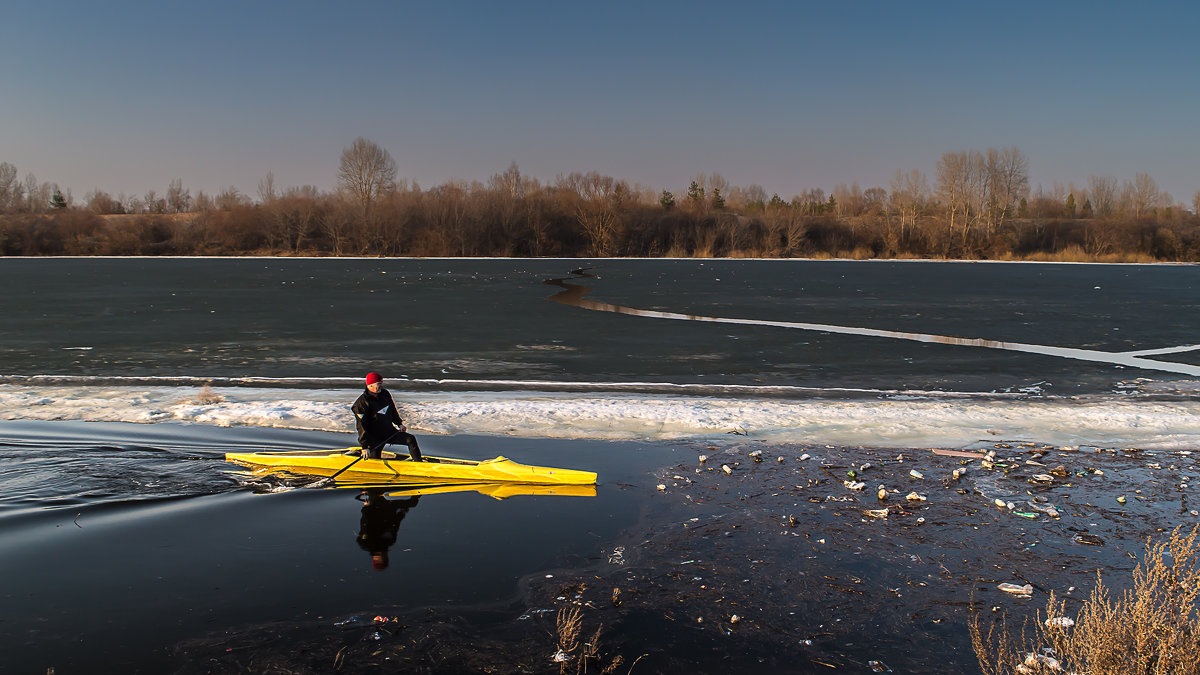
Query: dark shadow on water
point(380, 523)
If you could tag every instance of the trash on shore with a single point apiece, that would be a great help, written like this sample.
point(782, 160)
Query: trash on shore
point(1042, 660)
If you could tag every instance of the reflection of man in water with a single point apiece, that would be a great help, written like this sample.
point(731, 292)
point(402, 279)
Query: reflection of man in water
point(380, 522)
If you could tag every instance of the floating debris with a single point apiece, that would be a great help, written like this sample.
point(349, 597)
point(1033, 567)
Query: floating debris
point(916, 474)
point(1059, 622)
point(914, 497)
point(726, 469)
point(876, 513)
point(1021, 591)
point(1089, 539)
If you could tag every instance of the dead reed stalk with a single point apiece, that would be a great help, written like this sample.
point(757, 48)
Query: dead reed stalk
point(207, 396)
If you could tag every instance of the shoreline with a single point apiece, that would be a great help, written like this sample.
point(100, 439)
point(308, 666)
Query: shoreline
point(576, 259)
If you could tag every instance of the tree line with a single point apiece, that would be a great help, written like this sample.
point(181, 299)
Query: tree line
point(979, 205)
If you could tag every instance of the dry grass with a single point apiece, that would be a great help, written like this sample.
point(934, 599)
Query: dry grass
point(208, 397)
point(570, 649)
point(1151, 629)
point(1074, 253)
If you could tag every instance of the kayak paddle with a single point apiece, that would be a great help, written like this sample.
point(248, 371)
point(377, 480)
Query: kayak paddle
point(361, 455)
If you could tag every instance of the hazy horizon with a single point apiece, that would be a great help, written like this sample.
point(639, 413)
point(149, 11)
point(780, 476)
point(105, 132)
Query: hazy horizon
point(128, 96)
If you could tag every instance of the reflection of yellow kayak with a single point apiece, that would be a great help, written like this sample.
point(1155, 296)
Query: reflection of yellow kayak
point(444, 469)
point(406, 488)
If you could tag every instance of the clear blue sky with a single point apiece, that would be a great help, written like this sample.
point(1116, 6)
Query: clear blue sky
point(127, 96)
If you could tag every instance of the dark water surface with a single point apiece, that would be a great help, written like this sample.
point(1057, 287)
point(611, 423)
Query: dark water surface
point(473, 319)
point(120, 541)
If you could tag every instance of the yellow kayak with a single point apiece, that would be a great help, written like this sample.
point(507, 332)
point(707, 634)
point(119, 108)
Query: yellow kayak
point(329, 462)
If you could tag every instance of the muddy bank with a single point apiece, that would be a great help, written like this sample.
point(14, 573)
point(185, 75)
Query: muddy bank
point(782, 559)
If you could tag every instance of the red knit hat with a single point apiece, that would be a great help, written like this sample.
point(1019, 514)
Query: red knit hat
point(372, 378)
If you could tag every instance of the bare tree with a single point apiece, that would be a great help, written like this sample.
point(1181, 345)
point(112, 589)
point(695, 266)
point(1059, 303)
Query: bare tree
point(1007, 181)
point(1102, 190)
point(506, 192)
point(960, 186)
point(178, 199)
point(266, 189)
point(335, 224)
point(910, 193)
point(716, 182)
point(9, 187)
point(367, 171)
point(37, 195)
point(598, 207)
point(752, 196)
point(1144, 195)
point(230, 198)
point(102, 203)
point(847, 201)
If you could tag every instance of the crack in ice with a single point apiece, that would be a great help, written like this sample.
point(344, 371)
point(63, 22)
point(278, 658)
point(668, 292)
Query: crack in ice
point(573, 295)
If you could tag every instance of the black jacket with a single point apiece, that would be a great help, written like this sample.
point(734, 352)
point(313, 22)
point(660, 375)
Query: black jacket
point(376, 417)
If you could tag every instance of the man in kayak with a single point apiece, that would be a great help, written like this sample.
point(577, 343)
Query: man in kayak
point(378, 422)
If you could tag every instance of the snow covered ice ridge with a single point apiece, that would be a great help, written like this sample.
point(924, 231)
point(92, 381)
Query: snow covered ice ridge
point(1114, 422)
